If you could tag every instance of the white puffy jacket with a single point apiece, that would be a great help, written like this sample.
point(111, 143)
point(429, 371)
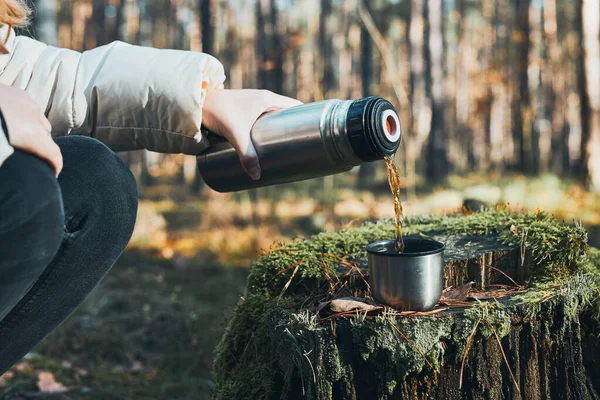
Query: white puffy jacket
point(128, 97)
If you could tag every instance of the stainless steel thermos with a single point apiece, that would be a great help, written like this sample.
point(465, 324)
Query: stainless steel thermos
point(307, 141)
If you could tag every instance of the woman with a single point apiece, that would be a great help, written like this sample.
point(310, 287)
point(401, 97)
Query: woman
point(67, 202)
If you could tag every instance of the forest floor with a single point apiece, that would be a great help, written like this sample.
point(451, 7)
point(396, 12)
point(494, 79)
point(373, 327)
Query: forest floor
point(149, 330)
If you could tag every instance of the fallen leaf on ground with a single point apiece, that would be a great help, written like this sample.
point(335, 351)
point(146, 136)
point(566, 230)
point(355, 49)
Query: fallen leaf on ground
point(24, 367)
point(459, 293)
point(346, 304)
point(47, 384)
point(5, 377)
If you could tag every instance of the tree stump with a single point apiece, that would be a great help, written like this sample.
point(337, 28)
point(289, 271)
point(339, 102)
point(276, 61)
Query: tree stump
point(514, 332)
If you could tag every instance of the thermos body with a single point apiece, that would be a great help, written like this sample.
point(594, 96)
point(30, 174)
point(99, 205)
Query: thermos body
point(307, 141)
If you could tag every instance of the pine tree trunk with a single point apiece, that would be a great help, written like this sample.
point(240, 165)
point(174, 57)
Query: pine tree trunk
point(207, 47)
point(326, 49)
point(591, 45)
point(367, 171)
point(44, 22)
point(437, 144)
point(520, 100)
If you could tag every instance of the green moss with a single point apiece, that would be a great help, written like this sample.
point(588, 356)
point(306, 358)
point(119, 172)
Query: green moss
point(556, 247)
point(274, 347)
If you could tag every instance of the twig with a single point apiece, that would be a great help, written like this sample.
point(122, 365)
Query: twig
point(329, 280)
point(467, 345)
point(392, 323)
point(352, 267)
point(546, 298)
point(506, 275)
point(504, 356)
point(384, 49)
point(342, 314)
point(297, 265)
point(421, 313)
point(311, 366)
point(523, 248)
point(290, 267)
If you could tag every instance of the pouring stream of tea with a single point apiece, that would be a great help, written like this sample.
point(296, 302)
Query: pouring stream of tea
point(394, 181)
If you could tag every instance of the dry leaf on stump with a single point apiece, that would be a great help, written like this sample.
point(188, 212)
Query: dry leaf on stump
point(460, 294)
point(346, 304)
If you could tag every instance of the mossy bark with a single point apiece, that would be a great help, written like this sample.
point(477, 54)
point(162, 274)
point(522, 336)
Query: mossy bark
point(279, 347)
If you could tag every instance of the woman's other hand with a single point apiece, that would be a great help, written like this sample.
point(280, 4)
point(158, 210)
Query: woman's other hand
point(28, 128)
point(232, 113)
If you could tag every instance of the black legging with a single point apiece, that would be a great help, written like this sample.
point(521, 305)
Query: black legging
point(58, 237)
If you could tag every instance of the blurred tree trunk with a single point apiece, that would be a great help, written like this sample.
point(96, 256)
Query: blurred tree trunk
point(326, 49)
point(230, 52)
point(558, 77)
point(463, 90)
point(260, 43)
point(146, 179)
point(44, 22)
point(418, 100)
point(437, 144)
point(276, 48)
point(99, 19)
point(500, 138)
point(208, 48)
point(143, 35)
point(520, 100)
point(367, 171)
point(591, 111)
point(268, 46)
point(115, 21)
point(536, 115)
point(207, 28)
point(143, 38)
point(584, 103)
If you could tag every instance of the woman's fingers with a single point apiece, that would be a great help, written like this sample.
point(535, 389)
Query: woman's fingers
point(55, 157)
point(240, 139)
point(249, 160)
point(46, 148)
point(45, 123)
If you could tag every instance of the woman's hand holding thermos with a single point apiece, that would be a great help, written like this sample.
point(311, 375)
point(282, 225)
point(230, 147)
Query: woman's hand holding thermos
point(232, 113)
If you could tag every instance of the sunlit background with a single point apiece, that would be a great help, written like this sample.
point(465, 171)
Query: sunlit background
point(499, 102)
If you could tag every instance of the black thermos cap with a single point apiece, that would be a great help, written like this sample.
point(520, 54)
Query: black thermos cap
point(365, 129)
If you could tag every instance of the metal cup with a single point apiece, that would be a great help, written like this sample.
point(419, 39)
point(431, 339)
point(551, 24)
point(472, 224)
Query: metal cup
point(412, 280)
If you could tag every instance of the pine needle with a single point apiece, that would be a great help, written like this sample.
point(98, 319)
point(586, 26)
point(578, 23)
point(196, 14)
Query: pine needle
point(467, 346)
point(506, 275)
point(504, 356)
point(329, 280)
point(352, 266)
point(295, 266)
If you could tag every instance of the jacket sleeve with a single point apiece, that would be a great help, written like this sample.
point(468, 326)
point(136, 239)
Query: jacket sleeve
point(128, 97)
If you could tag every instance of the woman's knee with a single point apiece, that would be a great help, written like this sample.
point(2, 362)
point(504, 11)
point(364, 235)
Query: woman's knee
point(97, 183)
point(31, 210)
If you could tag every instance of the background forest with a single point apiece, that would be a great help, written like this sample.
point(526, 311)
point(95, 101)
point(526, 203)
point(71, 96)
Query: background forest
point(499, 103)
point(487, 86)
